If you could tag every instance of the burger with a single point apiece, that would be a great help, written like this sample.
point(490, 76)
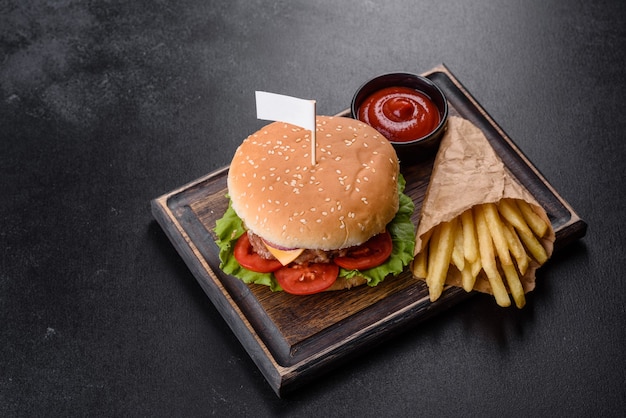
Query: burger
point(304, 228)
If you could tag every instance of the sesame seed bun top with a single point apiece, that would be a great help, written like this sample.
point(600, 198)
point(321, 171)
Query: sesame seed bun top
point(349, 196)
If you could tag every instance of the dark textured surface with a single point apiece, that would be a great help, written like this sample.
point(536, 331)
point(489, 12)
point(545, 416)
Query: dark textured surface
point(105, 105)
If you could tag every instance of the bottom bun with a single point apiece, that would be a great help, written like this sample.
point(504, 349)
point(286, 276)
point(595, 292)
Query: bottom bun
point(341, 283)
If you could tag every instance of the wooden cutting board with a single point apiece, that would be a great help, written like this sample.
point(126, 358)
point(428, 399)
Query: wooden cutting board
point(293, 339)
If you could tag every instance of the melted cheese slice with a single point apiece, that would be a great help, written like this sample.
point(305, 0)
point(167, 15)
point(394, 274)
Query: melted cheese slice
point(284, 256)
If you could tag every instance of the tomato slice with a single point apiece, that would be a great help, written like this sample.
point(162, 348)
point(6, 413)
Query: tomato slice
point(306, 279)
point(245, 255)
point(370, 254)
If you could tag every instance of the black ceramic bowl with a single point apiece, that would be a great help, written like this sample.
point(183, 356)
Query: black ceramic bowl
point(416, 148)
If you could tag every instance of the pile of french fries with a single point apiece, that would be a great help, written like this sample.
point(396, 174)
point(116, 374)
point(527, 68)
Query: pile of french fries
point(497, 238)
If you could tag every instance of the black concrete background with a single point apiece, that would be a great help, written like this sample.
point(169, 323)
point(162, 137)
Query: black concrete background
point(106, 104)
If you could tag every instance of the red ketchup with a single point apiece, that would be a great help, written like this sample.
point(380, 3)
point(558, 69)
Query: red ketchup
point(401, 114)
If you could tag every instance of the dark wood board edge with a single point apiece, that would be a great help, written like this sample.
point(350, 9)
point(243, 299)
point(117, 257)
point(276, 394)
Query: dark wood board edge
point(285, 353)
point(284, 379)
point(287, 379)
point(211, 285)
point(572, 230)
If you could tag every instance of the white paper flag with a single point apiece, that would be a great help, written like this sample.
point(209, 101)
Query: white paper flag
point(278, 107)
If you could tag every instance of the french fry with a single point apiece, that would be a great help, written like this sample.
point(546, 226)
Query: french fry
point(420, 270)
point(439, 258)
point(499, 239)
point(515, 285)
point(487, 258)
point(476, 268)
point(433, 247)
point(470, 245)
point(420, 262)
point(458, 258)
point(496, 228)
point(534, 247)
point(467, 278)
point(534, 221)
point(509, 211)
point(516, 248)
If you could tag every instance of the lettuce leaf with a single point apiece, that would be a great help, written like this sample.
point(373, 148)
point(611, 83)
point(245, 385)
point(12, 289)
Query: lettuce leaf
point(230, 227)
